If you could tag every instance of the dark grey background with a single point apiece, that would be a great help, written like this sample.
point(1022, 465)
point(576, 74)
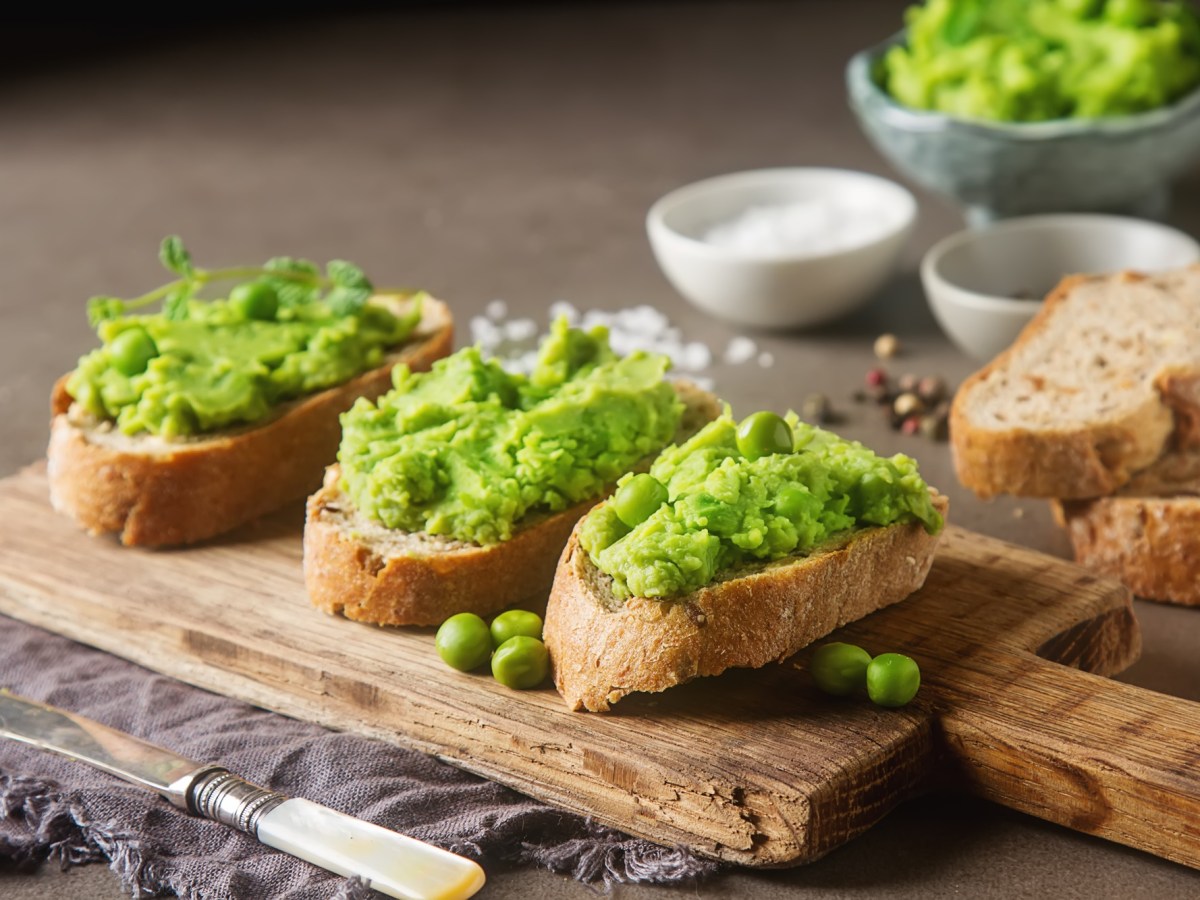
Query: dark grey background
point(484, 154)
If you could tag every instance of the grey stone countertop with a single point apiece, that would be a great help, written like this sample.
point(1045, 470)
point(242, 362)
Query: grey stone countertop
point(512, 153)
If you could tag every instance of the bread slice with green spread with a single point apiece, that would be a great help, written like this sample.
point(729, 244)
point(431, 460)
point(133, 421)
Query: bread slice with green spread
point(457, 491)
point(136, 452)
point(1147, 534)
point(1102, 382)
point(748, 559)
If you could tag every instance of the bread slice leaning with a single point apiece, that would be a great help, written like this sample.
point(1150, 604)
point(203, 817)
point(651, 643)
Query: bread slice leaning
point(156, 492)
point(1102, 382)
point(603, 649)
point(365, 571)
point(1147, 534)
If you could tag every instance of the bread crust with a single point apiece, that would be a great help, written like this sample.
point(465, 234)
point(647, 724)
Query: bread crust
point(1147, 535)
point(1152, 544)
point(370, 573)
point(602, 650)
point(153, 492)
point(1069, 463)
point(430, 579)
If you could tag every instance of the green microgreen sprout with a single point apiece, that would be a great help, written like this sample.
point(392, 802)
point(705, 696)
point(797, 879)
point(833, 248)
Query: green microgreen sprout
point(343, 286)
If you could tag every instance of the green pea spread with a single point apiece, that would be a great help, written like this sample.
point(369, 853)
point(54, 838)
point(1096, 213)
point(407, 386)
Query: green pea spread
point(216, 369)
point(468, 450)
point(725, 509)
point(1034, 60)
point(201, 365)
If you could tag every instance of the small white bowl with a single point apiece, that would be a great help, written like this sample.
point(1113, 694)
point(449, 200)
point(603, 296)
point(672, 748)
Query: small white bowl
point(779, 288)
point(985, 284)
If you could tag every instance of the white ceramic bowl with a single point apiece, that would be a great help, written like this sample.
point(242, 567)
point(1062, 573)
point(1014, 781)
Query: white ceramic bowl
point(985, 284)
point(774, 288)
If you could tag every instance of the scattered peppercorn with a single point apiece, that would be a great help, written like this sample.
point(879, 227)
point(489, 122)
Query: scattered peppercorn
point(934, 427)
point(911, 403)
point(931, 389)
point(886, 346)
point(907, 404)
point(817, 409)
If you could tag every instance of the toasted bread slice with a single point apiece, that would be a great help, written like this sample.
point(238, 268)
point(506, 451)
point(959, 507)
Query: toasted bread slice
point(1103, 381)
point(156, 492)
point(358, 567)
point(1147, 534)
point(603, 649)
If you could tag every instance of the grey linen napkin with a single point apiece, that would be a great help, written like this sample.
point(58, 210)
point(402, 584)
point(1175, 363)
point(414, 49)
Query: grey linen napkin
point(51, 808)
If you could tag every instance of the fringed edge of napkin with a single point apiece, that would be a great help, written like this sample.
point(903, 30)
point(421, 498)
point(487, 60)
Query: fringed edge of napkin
point(38, 824)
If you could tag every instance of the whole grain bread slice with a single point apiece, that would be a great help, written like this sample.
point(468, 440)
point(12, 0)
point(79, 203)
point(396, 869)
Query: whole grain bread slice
point(1148, 533)
point(603, 649)
point(155, 492)
point(359, 568)
point(1102, 382)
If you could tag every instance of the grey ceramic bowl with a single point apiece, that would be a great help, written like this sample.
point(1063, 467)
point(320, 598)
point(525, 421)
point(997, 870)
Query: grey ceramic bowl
point(997, 170)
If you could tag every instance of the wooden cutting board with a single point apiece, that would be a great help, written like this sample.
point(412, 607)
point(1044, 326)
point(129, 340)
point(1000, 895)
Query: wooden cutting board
point(755, 767)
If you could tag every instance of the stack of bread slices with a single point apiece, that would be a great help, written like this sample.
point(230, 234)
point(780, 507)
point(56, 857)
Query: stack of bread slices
point(1097, 407)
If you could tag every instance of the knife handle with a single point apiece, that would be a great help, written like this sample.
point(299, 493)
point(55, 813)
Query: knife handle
point(394, 864)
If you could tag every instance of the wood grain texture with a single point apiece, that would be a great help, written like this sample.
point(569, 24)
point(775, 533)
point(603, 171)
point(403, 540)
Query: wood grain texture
point(754, 767)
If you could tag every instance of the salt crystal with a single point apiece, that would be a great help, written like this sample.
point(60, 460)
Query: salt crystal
point(520, 329)
point(484, 333)
point(514, 341)
point(696, 356)
point(563, 308)
point(741, 349)
point(527, 360)
point(806, 227)
point(766, 359)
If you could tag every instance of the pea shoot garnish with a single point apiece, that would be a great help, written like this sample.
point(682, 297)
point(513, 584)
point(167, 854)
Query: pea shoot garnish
point(261, 290)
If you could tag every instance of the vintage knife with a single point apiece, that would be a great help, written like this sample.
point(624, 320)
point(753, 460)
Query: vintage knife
point(394, 864)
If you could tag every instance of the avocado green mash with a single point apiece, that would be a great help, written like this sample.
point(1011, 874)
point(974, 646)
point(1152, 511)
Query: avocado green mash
point(1033, 60)
point(725, 509)
point(468, 449)
point(201, 365)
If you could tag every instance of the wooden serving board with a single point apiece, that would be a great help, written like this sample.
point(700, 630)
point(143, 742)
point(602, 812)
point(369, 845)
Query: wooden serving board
point(755, 767)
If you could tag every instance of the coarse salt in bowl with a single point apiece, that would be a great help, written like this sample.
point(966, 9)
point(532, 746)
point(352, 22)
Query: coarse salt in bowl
point(781, 248)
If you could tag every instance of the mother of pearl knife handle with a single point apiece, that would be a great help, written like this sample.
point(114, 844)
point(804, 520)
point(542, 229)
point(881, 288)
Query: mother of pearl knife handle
point(392, 863)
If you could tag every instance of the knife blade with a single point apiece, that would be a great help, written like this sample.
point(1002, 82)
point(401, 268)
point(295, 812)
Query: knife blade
point(393, 863)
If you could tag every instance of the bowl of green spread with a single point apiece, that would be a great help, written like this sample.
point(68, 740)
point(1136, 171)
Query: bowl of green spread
point(1011, 107)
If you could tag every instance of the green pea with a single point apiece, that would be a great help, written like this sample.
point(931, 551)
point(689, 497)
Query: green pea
point(521, 662)
point(638, 498)
point(839, 668)
point(893, 679)
point(791, 502)
point(464, 642)
point(255, 300)
point(515, 622)
point(132, 350)
point(763, 433)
